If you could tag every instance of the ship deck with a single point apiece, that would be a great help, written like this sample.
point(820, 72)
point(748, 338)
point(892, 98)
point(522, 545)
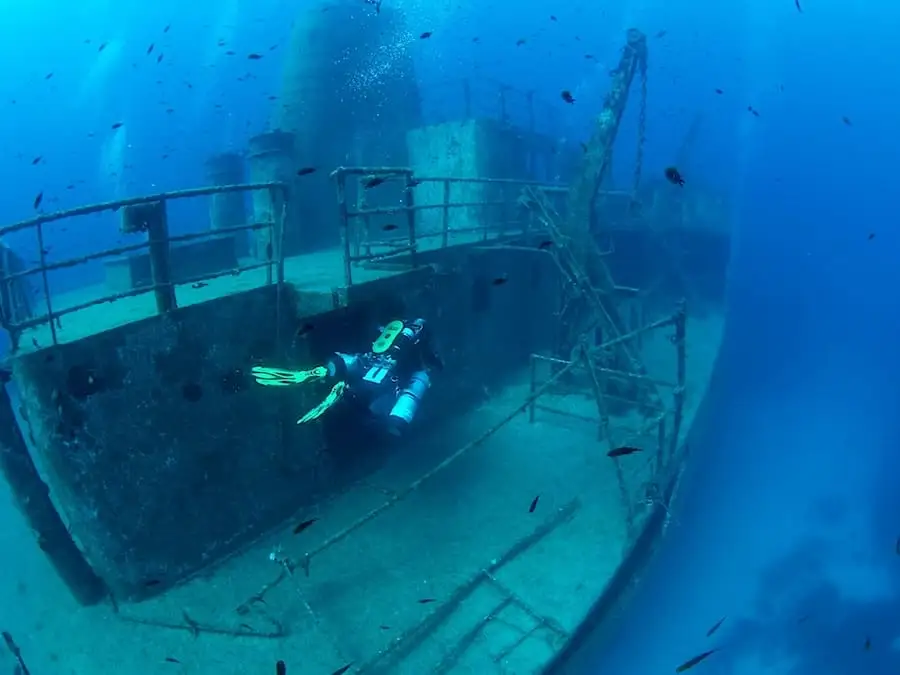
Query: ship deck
point(508, 585)
point(320, 271)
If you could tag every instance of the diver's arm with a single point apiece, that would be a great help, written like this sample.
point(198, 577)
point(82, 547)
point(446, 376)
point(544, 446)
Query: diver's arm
point(427, 351)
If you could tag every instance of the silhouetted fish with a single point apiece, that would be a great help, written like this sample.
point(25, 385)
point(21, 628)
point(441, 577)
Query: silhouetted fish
point(715, 627)
point(305, 524)
point(622, 451)
point(690, 663)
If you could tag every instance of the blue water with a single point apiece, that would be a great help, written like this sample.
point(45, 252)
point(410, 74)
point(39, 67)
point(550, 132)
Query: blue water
point(786, 523)
point(787, 520)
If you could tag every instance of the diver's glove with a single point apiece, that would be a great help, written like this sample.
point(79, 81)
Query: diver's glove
point(333, 397)
point(275, 377)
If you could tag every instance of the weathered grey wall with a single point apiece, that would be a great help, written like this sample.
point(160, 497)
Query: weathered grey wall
point(158, 447)
point(164, 456)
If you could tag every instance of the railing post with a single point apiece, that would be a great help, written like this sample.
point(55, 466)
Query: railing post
point(160, 267)
point(277, 234)
point(409, 201)
point(445, 216)
point(340, 179)
point(42, 257)
point(8, 305)
point(503, 111)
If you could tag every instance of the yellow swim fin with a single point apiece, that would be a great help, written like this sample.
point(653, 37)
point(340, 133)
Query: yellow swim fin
point(275, 377)
point(333, 397)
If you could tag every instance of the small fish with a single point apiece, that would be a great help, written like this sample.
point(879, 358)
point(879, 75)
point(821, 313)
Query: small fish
point(413, 182)
point(166, 29)
point(520, 42)
point(193, 626)
point(534, 503)
point(305, 329)
point(280, 668)
point(199, 284)
point(871, 237)
point(499, 281)
point(305, 524)
point(753, 111)
point(622, 451)
point(36, 160)
point(48, 76)
point(384, 627)
point(427, 34)
point(690, 663)
point(306, 170)
point(719, 91)
point(150, 583)
point(116, 125)
point(661, 34)
point(342, 669)
point(715, 627)
point(150, 48)
point(376, 4)
point(373, 182)
point(159, 58)
point(254, 56)
point(867, 645)
point(846, 120)
point(172, 659)
point(797, 5)
point(674, 176)
point(38, 200)
point(102, 46)
point(566, 96)
point(545, 245)
point(426, 601)
point(389, 227)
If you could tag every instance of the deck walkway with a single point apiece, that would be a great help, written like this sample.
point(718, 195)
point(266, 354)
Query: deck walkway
point(318, 271)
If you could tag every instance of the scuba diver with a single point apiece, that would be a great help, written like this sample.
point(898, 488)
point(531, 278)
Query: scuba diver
point(387, 382)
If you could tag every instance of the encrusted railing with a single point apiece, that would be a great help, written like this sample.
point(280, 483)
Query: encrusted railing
point(145, 214)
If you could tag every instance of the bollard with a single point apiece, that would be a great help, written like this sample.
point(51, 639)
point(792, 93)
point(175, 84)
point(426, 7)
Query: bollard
point(271, 158)
point(151, 218)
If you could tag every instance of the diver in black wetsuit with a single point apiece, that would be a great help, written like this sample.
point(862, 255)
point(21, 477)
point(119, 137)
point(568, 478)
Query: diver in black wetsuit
point(386, 383)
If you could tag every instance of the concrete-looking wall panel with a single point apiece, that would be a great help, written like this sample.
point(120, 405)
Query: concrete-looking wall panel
point(160, 452)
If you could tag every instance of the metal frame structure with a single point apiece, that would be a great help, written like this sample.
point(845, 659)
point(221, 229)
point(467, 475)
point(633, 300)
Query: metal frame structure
point(409, 245)
point(158, 243)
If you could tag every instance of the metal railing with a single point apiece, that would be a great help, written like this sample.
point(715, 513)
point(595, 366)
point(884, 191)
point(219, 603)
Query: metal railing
point(158, 244)
point(359, 220)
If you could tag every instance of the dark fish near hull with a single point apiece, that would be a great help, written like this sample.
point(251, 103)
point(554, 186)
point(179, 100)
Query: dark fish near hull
point(534, 503)
point(690, 663)
point(305, 524)
point(624, 450)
